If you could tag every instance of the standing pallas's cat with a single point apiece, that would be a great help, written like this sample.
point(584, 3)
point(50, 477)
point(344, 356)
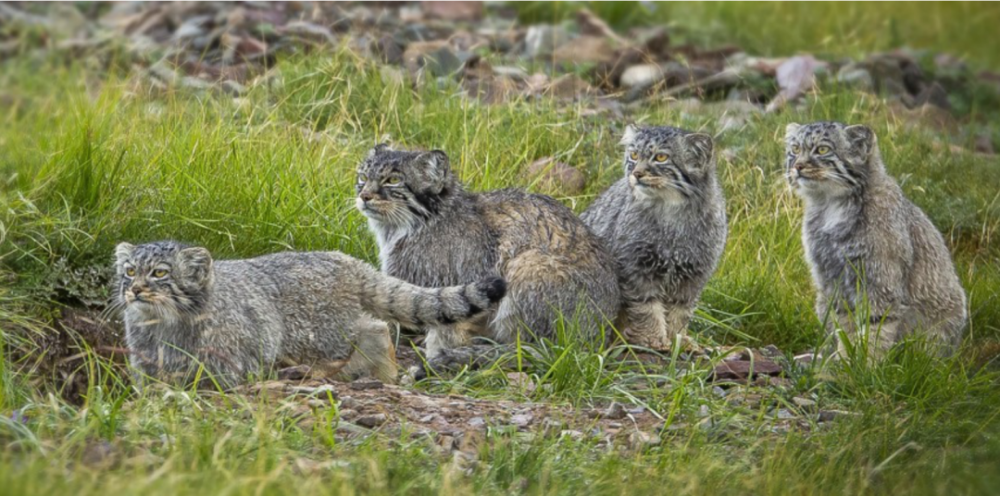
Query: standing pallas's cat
point(238, 318)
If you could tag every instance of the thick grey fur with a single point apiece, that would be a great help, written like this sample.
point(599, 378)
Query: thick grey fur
point(877, 261)
point(665, 223)
point(238, 318)
point(431, 231)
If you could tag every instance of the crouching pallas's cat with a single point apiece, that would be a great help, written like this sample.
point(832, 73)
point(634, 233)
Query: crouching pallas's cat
point(182, 310)
point(432, 231)
point(881, 269)
point(665, 223)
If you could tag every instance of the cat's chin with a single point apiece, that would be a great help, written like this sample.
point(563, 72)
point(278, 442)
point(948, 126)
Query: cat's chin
point(665, 195)
point(151, 312)
point(819, 189)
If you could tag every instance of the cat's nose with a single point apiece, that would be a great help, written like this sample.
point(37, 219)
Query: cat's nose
point(367, 196)
point(799, 166)
point(136, 290)
point(640, 173)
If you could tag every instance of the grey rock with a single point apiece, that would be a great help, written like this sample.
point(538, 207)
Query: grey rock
point(856, 77)
point(371, 421)
point(639, 440)
point(543, 40)
point(521, 419)
point(831, 415)
point(573, 434)
point(641, 76)
point(805, 404)
point(615, 411)
point(365, 384)
point(387, 50)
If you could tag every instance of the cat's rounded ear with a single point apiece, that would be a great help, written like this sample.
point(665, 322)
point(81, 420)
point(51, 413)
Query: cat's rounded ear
point(629, 137)
point(699, 147)
point(862, 138)
point(123, 253)
point(195, 264)
point(791, 129)
point(436, 167)
point(384, 146)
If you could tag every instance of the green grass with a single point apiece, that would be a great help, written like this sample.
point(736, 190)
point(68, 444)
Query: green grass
point(87, 161)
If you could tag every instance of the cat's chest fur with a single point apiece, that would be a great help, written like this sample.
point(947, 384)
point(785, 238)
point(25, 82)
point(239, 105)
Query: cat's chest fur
point(833, 242)
point(652, 243)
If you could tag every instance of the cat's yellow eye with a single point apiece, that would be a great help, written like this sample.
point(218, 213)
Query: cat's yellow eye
point(823, 150)
point(159, 272)
point(393, 181)
point(130, 272)
point(661, 157)
point(634, 155)
point(796, 149)
point(363, 177)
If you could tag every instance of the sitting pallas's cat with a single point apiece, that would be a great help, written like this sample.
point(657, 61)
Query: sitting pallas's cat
point(665, 223)
point(431, 231)
point(880, 266)
point(241, 317)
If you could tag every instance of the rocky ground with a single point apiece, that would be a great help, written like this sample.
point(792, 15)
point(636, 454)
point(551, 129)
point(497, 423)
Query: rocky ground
point(232, 47)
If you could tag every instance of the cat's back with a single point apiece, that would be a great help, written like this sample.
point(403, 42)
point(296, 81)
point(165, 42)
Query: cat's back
point(281, 271)
point(301, 289)
point(527, 220)
point(604, 213)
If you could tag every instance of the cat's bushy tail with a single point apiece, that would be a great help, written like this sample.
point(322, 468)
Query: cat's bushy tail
point(392, 299)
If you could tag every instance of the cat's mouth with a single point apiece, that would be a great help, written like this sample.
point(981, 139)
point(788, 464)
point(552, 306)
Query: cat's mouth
point(647, 183)
point(369, 208)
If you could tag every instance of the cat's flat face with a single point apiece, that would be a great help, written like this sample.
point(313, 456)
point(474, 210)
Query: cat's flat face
point(163, 279)
point(399, 188)
point(666, 163)
point(827, 158)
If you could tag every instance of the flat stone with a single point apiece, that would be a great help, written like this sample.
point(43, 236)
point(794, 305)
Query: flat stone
point(831, 415)
point(366, 384)
point(315, 391)
point(371, 421)
point(744, 369)
point(641, 76)
point(804, 403)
